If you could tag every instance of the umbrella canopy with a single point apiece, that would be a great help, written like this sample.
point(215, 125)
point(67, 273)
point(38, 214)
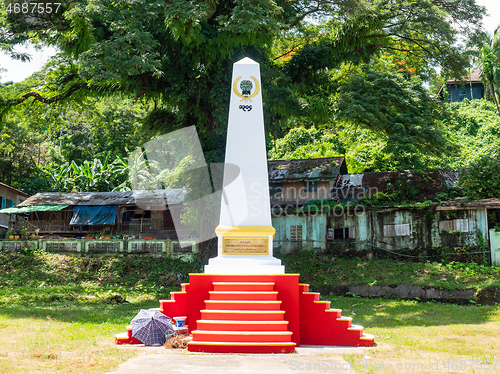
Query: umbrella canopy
point(151, 326)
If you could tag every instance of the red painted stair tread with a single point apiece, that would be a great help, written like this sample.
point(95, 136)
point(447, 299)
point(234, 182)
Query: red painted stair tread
point(243, 304)
point(250, 316)
point(228, 325)
point(243, 336)
point(243, 295)
point(243, 315)
point(241, 347)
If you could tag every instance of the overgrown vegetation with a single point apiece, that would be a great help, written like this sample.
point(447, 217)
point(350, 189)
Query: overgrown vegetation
point(350, 83)
point(482, 181)
point(59, 276)
point(65, 278)
point(320, 270)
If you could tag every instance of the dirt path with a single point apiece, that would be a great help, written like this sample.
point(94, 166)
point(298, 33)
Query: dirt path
point(306, 360)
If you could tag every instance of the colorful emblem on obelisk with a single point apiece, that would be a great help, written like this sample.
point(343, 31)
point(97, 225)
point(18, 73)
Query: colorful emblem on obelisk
point(246, 89)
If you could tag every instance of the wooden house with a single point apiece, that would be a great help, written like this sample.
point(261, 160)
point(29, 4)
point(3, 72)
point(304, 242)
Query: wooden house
point(83, 214)
point(469, 87)
point(300, 181)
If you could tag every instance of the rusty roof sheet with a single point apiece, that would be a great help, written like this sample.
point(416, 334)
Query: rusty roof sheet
point(428, 183)
point(475, 77)
point(314, 169)
point(493, 203)
point(173, 196)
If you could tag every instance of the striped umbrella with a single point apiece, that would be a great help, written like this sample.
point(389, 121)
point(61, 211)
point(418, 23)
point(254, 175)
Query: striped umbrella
point(151, 326)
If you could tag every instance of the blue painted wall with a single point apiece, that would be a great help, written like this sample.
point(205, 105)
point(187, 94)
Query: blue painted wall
point(458, 92)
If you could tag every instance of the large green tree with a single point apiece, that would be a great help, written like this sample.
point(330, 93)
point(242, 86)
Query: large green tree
point(177, 54)
point(100, 128)
point(399, 110)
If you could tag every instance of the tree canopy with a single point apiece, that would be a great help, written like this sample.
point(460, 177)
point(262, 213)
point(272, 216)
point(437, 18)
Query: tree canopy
point(340, 77)
point(178, 54)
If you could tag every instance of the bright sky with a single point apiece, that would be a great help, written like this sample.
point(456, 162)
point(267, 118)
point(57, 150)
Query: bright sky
point(17, 70)
point(493, 20)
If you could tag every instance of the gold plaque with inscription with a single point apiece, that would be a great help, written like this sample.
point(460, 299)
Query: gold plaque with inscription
point(238, 245)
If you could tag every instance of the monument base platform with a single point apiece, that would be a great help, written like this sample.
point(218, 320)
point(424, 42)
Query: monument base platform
point(251, 265)
point(259, 313)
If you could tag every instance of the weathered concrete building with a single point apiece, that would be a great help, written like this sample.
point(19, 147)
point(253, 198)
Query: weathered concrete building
point(399, 229)
point(296, 186)
point(9, 197)
point(362, 231)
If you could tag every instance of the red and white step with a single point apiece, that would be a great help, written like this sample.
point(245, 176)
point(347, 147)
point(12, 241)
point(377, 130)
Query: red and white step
point(320, 325)
point(256, 314)
point(126, 337)
point(242, 317)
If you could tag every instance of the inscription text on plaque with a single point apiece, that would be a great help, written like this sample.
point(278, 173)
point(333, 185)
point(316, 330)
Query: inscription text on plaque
point(245, 246)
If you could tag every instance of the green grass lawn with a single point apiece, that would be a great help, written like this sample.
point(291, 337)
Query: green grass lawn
point(60, 314)
point(64, 336)
point(412, 333)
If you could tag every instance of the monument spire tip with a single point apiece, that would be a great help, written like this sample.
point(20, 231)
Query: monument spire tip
point(246, 61)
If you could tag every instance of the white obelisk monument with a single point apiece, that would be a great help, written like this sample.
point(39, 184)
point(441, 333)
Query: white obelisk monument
point(245, 233)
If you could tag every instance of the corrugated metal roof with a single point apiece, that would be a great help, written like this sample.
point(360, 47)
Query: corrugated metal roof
point(428, 182)
point(33, 208)
point(315, 169)
point(174, 196)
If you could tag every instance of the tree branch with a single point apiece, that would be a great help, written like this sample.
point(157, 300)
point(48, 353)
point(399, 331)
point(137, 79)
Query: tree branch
point(49, 100)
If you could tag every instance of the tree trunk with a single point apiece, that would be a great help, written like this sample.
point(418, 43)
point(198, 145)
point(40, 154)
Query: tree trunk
point(492, 88)
point(207, 249)
point(470, 84)
point(487, 93)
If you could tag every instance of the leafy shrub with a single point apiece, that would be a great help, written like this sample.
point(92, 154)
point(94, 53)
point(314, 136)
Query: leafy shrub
point(376, 199)
point(482, 180)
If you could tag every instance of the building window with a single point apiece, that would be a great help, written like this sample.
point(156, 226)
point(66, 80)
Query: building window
point(342, 233)
point(296, 233)
point(454, 225)
point(276, 189)
point(310, 186)
point(397, 230)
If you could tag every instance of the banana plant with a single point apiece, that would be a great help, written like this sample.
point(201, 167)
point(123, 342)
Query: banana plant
point(59, 178)
point(488, 60)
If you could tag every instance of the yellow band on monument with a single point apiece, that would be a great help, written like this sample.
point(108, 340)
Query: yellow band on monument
point(245, 230)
